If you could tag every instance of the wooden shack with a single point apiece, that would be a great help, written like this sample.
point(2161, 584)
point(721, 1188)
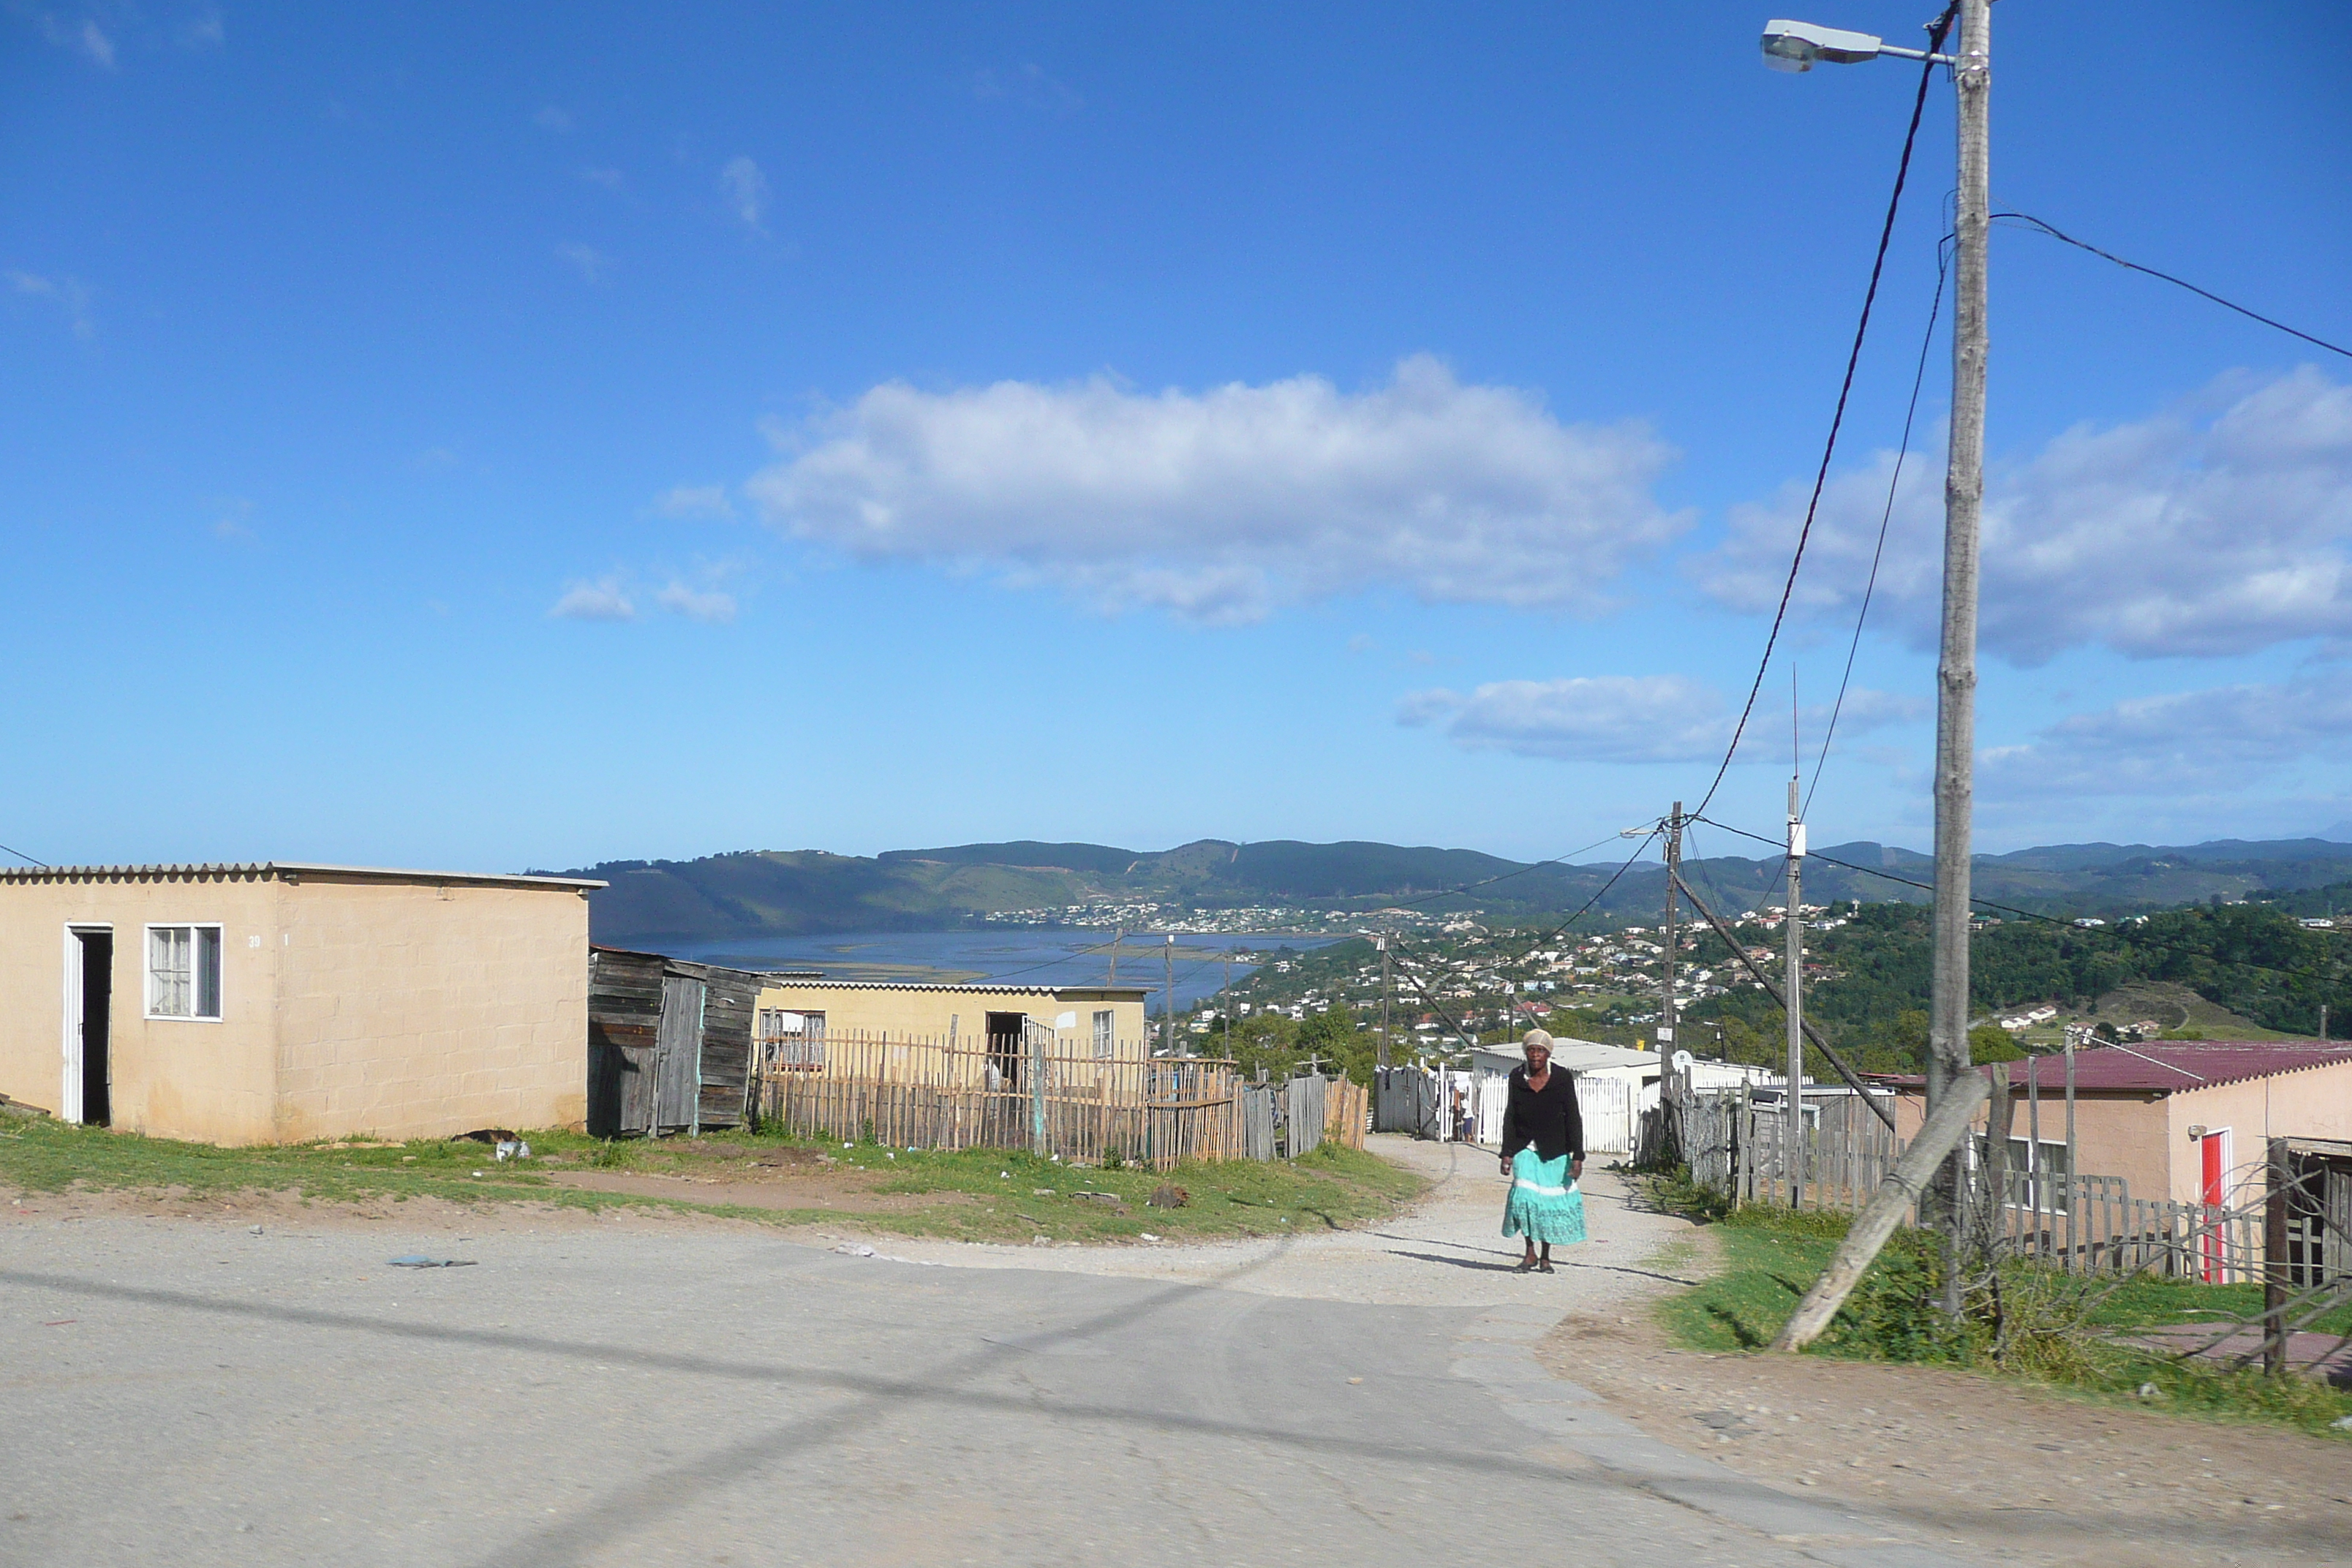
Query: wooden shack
point(670, 1044)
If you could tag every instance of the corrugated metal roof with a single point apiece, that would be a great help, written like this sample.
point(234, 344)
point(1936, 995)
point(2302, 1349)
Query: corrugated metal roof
point(1137, 992)
point(2169, 1067)
point(290, 871)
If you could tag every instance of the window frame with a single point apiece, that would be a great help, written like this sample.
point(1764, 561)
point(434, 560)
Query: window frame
point(2038, 1184)
point(1106, 1033)
point(791, 1050)
point(148, 988)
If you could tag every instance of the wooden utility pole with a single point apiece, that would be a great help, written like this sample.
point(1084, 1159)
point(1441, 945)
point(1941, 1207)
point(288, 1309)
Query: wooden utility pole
point(1168, 998)
point(1674, 878)
point(1793, 1136)
point(1955, 668)
point(1118, 937)
point(1229, 1004)
point(1902, 1187)
point(2274, 1218)
point(1388, 991)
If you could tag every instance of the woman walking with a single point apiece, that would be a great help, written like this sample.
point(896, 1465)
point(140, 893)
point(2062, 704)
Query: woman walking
point(1543, 1153)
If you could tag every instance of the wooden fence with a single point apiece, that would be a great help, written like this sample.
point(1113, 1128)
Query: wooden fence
point(1737, 1145)
point(1024, 1094)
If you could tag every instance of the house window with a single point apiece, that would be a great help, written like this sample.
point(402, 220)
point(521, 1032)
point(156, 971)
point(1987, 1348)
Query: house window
point(1105, 1041)
point(184, 972)
point(2038, 1175)
point(790, 1041)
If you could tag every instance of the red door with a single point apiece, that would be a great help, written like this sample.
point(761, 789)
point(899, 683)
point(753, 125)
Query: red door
point(2215, 1147)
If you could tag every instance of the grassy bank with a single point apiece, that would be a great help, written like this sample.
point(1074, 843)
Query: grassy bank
point(975, 1194)
point(2044, 1327)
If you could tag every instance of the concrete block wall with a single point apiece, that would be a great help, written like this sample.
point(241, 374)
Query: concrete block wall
point(415, 1010)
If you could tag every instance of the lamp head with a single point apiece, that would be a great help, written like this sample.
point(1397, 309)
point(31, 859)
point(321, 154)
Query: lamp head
point(1796, 46)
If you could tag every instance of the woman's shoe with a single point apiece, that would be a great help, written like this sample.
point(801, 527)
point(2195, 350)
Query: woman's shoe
point(1544, 1267)
point(1525, 1266)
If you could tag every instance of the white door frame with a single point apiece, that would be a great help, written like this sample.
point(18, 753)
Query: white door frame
point(70, 1105)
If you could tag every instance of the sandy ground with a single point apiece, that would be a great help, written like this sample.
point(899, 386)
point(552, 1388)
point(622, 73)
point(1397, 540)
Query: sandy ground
point(1988, 1467)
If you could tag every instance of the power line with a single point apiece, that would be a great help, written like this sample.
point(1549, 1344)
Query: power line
point(2029, 914)
point(44, 865)
point(2058, 234)
point(1828, 447)
point(1918, 378)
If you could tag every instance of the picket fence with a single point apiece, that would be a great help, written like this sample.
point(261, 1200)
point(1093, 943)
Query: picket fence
point(1736, 1144)
point(1020, 1093)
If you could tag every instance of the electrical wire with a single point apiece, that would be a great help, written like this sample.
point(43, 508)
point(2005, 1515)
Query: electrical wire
point(2058, 234)
point(1878, 553)
point(1828, 449)
point(2021, 914)
point(44, 865)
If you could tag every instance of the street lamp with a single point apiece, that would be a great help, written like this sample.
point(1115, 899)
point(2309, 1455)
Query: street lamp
point(1796, 46)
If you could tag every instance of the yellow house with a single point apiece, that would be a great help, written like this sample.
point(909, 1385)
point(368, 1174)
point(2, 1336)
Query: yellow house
point(276, 1001)
point(797, 1017)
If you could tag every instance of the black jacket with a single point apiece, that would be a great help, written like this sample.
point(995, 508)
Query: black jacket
point(1549, 1120)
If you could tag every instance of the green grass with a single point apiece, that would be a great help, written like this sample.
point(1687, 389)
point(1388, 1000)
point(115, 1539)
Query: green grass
point(985, 1193)
point(2062, 1331)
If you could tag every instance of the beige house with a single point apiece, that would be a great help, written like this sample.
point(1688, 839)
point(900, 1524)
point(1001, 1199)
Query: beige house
point(796, 1016)
point(2186, 1121)
point(275, 1003)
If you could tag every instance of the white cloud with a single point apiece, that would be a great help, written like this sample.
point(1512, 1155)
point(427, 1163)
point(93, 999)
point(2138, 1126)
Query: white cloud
point(235, 524)
point(551, 118)
point(1218, 504)
point(747, 189)
point(695, 500)
point(603, 600)
point(69, 294)
point(710, 606)
point(2223, 737)
point(1630, 719)
point(86, 37)
point(1028, 84)
point(205, 32)
point(2178, 534)
point(610, 179)
point(593, 265)
point(1582, 719)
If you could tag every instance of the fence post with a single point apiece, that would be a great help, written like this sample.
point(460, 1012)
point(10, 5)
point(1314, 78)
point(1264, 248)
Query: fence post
point(2274, 1290)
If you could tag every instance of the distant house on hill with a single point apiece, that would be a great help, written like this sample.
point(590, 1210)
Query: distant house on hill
point(279, 1002)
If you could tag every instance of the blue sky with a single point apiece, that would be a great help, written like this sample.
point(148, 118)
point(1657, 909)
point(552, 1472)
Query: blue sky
point(490, 438)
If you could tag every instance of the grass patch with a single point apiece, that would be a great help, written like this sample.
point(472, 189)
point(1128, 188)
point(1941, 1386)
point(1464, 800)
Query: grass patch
point(987, 1194)
point(2036, 1324)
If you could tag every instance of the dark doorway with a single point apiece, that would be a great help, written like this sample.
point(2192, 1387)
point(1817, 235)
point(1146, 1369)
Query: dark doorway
point(1004, 1036)
point(97, 1008)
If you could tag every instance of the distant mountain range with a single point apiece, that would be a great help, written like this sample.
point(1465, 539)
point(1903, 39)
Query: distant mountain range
point(810, 892)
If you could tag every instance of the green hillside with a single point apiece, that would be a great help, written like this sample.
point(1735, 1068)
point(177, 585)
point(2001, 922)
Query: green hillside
point(811, 891)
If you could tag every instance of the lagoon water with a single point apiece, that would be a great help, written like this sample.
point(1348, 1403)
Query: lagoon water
point(1021, 955)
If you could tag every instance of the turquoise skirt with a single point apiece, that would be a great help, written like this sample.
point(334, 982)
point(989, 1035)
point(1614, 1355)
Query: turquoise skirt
point(1544, 1204)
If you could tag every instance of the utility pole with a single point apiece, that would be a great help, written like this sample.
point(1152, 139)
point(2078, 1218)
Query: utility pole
point(1794, 1138)
point(1955, 668)
point(1168, 998)
point(1116, 937)
point(1674, 871)
point(1388, 991)
point(1229, 1004)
